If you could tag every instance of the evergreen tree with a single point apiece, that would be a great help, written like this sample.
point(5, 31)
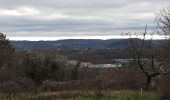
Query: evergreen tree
point(6, 53)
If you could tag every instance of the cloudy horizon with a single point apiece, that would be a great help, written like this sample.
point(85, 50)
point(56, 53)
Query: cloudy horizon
point(77, 18)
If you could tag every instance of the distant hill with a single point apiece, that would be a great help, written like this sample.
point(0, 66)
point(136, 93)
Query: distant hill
point(73, 43)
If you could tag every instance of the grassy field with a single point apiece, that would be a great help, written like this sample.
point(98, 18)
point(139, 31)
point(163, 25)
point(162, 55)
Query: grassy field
point(83, 95)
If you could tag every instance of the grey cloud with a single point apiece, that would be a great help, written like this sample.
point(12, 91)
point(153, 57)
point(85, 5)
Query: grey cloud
point(76, 3)
point(80, 17)
point(66, 27)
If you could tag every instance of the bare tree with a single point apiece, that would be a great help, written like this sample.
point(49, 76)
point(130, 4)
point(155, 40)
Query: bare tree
point(146, 56)
point(163, 21)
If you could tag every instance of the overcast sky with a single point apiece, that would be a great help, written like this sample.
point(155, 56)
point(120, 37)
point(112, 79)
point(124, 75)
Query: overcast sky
point(47, 18)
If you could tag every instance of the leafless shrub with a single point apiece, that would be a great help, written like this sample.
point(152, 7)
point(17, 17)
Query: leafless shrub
point(163, 89)
point(53, 86)
point(10, 87)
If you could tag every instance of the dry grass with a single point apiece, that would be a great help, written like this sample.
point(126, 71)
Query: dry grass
point(83, 95)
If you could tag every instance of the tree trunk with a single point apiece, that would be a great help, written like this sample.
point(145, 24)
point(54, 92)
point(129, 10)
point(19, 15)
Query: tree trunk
point(148, 81)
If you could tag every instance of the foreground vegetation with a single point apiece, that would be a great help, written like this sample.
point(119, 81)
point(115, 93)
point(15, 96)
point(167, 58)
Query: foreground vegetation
point(83, 95)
